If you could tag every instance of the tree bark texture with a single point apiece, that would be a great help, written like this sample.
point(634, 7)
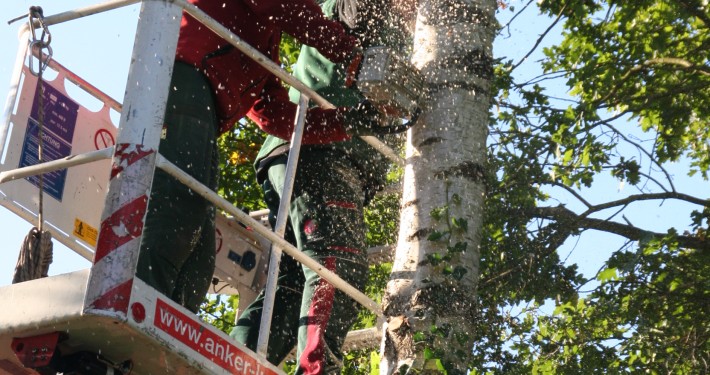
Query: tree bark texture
point(430, 298)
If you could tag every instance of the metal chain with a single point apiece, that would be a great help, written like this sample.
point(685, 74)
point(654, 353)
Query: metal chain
point(38, 46)
point(42, 43)
point(36, 252)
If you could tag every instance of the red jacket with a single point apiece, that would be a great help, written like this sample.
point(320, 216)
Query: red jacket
point(241, 85)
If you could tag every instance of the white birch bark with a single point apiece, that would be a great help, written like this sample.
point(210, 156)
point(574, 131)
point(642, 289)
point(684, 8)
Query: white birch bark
point(430, 285)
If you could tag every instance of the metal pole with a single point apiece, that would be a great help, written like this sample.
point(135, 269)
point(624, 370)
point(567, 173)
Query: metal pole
point(87, 11)
point(86, 86)
point(14, 86)
point(54, 165)
point(259, 213)
point(147, 88)
point(281, 221)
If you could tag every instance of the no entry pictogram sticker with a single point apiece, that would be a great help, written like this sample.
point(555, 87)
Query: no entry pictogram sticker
point(218, 240)
point(103, 138)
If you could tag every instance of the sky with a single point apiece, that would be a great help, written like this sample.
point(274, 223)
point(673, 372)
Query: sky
point(98, 49)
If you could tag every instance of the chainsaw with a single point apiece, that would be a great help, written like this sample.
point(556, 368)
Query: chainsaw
point(392, 85)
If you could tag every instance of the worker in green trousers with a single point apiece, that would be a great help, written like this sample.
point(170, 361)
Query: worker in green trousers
point(333, 184)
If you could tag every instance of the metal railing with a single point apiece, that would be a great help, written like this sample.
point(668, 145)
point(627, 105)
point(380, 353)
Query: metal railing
point(276, 237)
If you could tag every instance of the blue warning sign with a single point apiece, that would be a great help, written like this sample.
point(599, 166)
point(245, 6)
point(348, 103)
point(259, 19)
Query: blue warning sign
point(60, 115)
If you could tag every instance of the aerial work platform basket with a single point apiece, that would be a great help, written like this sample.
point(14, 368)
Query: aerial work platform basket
point(104, 318)
point(155, 337)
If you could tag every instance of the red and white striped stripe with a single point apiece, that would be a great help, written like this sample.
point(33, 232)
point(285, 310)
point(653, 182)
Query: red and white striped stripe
point(120, 232)
point(147, 87)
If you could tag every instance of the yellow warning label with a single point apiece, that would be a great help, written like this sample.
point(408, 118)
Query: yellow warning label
point(85, 232)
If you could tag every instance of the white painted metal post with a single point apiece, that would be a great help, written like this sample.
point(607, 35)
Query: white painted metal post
point(15, 86)
point(281, 220)
point(87, 11)
point(54, 165)
point(120, 234)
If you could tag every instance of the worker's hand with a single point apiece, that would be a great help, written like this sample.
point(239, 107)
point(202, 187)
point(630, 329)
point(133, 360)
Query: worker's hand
point(354, 62)
point(366, 119)
point(363, 119)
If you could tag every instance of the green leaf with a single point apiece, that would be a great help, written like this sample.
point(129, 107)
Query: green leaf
point(459, 247)
point(461, 224)
point(435, 365)
point(434, 258)
point(607, 274)
point(459, 272)
point(435, 236)
point(374, 363)
point(448, 270)
point(438, 213)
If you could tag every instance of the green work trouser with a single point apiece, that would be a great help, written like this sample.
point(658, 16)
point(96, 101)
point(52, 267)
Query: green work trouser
point(177, 254)
point(326, 223)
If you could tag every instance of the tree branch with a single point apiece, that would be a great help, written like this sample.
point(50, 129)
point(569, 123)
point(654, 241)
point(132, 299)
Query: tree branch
point(638, 147)
point(507, 25)
point(542, 36)
point(566, 216)
point(647, 197)
point(573, 192)
point(670, 61)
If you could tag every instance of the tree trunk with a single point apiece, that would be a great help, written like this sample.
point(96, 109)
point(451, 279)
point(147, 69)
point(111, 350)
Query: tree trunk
point(431, 296)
